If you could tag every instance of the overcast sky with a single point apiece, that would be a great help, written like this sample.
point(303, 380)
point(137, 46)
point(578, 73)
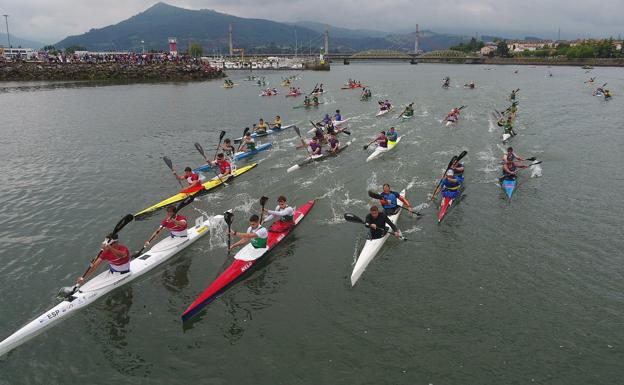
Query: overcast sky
point(49, 21)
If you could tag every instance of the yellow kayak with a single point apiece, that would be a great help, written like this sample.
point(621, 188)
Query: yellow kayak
point(209, 185)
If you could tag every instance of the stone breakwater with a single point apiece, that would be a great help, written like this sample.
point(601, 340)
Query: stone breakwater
point(169, 71)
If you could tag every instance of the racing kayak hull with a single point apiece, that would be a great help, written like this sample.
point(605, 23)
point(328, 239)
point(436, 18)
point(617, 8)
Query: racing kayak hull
point(270, 131)
point(308, 106)
point(244, 260)
point(237, 156)
point(372, 247)
point(317, 158)
point(446, 204)
point(336, 123)
point(379, 150)
point(205, 187)
point(384, 112)
point(509, 185)
point(106, 282)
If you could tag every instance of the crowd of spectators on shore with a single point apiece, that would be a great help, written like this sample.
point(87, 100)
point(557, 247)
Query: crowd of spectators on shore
point(129, 58)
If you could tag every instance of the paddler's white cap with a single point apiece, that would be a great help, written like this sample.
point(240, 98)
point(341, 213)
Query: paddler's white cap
point(450, 173)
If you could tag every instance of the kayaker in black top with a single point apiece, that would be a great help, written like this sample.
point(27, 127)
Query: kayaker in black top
point(377, 221)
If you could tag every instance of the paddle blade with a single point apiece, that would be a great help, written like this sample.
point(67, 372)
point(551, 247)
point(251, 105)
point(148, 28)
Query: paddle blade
point(221, 135)
point(168, 162)
point(374, 195)
point(347, 132)
point(245, 131)
point(200, 149)
point(461, 155)
point(353, 218)
point(228, 217)
point(297, 131)
point(263, 200)
point(531, 159)
point(453, 160)
point(293, 168)
point(184, 203)
point(123, 222)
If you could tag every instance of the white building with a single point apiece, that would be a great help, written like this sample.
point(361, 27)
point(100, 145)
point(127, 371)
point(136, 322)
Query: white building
point(488, 49)
point(22, 53)
point(521, 45)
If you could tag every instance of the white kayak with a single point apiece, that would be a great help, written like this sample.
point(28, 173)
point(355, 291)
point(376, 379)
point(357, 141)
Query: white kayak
point(383, 112)
point(372, 247)
point(380, 150)
point(319, 157)
point(105, 282)
point(337, 123)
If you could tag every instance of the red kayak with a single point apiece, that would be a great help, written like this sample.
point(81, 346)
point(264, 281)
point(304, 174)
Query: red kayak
point(446, 204)
point(293, 95)
point(244, 260)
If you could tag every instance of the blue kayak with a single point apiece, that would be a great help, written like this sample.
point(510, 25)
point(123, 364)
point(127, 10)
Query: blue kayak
point(268, 132)
point(509, 185)
point(238, 156)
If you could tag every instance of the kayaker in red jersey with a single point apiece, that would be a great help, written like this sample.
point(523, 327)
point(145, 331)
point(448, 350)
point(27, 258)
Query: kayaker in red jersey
point(225, 168)
point(117, 255)
point(189, 176)
point(175, 223)
point(256, 234)
point(284, 215)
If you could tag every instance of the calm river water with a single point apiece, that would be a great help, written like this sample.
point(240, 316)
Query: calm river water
point(523, 292)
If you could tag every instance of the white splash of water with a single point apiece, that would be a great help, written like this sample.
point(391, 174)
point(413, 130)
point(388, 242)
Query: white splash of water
point(536, 171)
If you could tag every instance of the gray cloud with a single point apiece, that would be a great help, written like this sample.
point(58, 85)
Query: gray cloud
point(50, 21)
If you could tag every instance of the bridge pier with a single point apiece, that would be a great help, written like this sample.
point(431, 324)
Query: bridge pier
point(346, 62)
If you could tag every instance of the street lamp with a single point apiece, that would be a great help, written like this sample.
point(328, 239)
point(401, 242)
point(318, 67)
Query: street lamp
point(6, 19)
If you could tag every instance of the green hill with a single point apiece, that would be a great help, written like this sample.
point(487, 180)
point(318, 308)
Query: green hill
point(210, 29)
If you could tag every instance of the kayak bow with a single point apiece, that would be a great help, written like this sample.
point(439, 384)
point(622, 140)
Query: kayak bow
point(106, 282)
point(372, 247)
point(205, 187)
point(244, 260)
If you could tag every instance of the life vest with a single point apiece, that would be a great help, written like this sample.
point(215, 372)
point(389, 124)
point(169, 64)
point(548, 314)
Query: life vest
point(391, 200)
point(258, 243)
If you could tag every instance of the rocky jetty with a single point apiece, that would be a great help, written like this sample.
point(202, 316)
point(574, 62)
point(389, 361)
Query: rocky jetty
point(169, 71)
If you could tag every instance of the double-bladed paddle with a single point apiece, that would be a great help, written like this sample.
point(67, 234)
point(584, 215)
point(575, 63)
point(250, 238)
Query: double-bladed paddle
point(228, 217)
point(170, 165)
point(303, 143)
point(263, 201)
point(454, 160)
point(374, 195)
point(313, 90)
point(188, 200)
point(355, 219)
point(320, 123)
point(67, 292)
point(245, 131)
point(221, 135)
